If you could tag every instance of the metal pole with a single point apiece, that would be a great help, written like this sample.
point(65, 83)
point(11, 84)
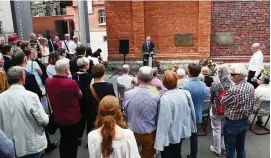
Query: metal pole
point(83, 22)
point(87, 23)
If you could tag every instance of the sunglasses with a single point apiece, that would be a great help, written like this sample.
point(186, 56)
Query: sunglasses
point(233, 74)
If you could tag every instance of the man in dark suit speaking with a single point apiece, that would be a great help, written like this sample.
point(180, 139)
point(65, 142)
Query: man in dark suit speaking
point(52, 44)
point(147, 47)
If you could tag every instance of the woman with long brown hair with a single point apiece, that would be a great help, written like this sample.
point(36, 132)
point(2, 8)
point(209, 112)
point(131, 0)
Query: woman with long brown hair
point(44, 50)
point(111, 139)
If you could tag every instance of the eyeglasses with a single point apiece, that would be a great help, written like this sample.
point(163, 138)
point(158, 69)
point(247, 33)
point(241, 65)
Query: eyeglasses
point(233, 74)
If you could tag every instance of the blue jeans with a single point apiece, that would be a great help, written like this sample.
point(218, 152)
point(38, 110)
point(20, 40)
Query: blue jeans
point(37, 155)
point(234, 137)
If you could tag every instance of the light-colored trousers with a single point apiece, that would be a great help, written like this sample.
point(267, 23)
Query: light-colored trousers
point(217, 123)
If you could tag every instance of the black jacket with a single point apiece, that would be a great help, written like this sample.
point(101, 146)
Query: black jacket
point(31, 84)
point(8, 63)
point(83, 80)
point(44, 75)
point(208, 81)
point(73, 64)
point(52, 45)
point(146, 49)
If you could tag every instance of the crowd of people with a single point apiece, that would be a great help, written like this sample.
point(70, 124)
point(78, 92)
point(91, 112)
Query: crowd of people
point(47, 85)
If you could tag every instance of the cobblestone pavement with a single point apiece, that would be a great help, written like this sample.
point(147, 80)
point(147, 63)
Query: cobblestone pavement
point(256, 146)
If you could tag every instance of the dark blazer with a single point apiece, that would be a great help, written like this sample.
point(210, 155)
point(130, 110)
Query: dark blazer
point(208, 81)
point(8, 63)
point(51, 45)
point(83, 80)
point(73, 64)
point(31, 84)
point(44, 75)
point(102, 89)
point(146, 49)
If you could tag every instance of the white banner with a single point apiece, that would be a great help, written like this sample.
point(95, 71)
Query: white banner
point(90, 6)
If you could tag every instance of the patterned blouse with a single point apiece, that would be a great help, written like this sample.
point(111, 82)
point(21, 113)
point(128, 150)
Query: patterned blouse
point(216, 88)
point(3, 81)
point(239, 101)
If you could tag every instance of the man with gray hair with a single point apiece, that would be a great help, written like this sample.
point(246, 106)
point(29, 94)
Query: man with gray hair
point(76, 41)
point(238, 103)
point(255, 65)
point(207, 79)
point(147, 47)
point(22, 116)
point(69, 45)
point(182, 78)
point(64, 95)
point(156, 82)
point(262, 93)
point(207, 89)
point(141, 105)
point(125, 80)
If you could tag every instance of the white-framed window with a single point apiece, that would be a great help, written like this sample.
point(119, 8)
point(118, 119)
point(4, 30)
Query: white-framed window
point(1, 28)
point(102, 19)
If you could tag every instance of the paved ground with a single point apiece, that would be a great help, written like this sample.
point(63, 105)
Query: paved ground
point(256, 146)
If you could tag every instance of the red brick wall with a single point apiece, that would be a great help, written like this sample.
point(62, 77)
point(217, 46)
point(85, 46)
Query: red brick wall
point(161, 21)
point(94, 17)
point(248, 20)
point(119, 24)
point(40, 24)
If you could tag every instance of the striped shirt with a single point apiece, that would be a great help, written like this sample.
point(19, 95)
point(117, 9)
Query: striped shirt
point(141, 106)
point(239, 101)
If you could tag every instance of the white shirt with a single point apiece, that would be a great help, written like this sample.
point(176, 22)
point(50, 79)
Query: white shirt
point(262, 92)
point(71, 46)
point(50, 70)
point(256, 62)
point(78, 43)
point(124, 148)
point(45, 51)
point(95, 60)
point(125, 80)
point(22, 118)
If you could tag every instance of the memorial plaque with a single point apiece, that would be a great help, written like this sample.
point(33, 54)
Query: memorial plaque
point(184, 40)
point(225, 38)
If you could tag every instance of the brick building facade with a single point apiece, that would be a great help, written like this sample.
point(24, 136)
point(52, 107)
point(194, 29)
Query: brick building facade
point(244, 22)
point(249, 21)
point(98, 35)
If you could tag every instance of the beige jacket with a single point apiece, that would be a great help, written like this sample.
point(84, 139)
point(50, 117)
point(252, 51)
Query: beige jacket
point(22, 119)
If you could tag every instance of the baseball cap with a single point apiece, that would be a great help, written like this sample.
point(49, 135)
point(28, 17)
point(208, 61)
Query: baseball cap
point(12, 38)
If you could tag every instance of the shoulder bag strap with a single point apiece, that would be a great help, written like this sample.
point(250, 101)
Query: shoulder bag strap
point(50, 110)
point(66, 46)
point(94, 94)
point(32, 66)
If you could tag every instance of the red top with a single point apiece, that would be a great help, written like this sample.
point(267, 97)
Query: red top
point(59, 44)
point(63, 95)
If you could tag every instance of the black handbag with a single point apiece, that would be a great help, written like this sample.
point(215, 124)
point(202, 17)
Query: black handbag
point(51, 126)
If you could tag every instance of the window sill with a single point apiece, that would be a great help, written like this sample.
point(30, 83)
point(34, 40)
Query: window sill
point(102, 24)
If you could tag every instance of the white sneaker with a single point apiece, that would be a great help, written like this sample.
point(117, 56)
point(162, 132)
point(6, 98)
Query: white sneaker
point(212, 148)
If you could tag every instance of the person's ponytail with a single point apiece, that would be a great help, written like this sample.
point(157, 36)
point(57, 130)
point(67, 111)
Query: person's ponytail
point(108, 132)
